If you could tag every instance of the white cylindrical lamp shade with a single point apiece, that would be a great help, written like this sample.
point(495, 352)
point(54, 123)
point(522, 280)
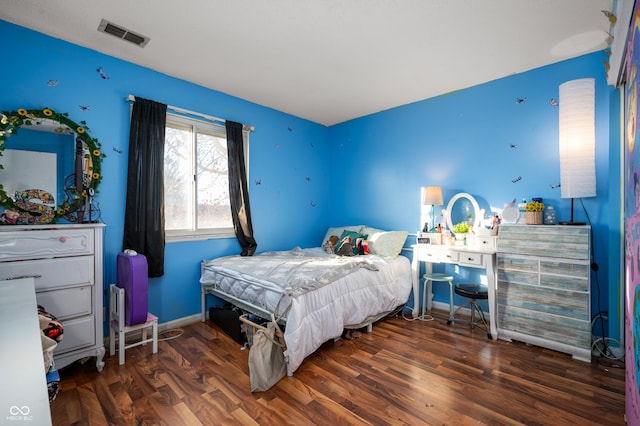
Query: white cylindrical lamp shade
point(432, 196)
point(577, 138)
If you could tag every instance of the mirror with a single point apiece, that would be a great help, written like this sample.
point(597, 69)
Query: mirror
point(463, 208)
point(62, 171)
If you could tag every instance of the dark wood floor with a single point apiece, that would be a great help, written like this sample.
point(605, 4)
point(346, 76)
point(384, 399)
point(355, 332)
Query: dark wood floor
point(404, 373)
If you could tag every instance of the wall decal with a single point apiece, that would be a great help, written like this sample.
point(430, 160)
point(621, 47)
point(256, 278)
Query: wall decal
point(519, 178)
point(102, 74)
point(52, 83)
point(612, 18)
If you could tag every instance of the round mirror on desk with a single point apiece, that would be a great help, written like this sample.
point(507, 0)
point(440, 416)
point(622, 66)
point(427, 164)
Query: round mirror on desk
point(463, 208)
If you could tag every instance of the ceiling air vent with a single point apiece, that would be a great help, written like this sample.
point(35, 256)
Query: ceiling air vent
point(122, 33)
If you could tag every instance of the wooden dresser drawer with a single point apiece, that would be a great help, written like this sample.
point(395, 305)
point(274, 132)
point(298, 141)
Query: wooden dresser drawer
point(52, 273)
point(67, 303)
point(45, 243)
point(542, 300)
point(516, 263)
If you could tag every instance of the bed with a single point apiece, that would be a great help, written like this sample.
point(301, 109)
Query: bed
point(324, 293)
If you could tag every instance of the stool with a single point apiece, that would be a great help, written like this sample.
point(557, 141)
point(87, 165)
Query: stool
point(117, 325)
point(474, 292)
point(430, 277)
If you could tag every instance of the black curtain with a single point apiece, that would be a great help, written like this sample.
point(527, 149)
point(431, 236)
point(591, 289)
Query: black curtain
point(238, 194)
point(144, 214)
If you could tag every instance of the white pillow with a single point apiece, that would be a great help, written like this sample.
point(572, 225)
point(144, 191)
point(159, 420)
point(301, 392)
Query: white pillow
point(387, 243)
point(337, 231)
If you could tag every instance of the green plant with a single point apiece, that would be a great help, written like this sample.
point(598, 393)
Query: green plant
point(461, 228)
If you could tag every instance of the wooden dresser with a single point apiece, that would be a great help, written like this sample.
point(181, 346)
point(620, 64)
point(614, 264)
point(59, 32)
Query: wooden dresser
point(66, 264)
point(544, 287)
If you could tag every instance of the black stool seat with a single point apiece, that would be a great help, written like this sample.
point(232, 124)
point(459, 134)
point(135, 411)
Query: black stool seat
point(472, 291)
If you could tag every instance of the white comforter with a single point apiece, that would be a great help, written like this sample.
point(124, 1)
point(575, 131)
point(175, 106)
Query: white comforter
point(320, 313)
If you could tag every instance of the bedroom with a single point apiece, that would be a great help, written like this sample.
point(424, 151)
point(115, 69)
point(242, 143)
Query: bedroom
point(385, 157)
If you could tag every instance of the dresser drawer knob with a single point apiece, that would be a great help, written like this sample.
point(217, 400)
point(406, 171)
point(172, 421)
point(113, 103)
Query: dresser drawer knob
point(63, 239)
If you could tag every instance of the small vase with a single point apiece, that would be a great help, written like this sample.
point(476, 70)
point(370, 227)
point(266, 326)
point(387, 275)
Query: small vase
point(533, 218)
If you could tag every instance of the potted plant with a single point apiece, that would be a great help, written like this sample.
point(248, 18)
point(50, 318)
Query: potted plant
point(461, 229)
point(533, 215)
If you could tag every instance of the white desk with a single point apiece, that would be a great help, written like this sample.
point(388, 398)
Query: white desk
point(484, 258)
point(23, 388)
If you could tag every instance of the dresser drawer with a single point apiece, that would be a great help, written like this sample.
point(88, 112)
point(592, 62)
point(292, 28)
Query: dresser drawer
point(544, 301)
point(52, 273)
point(66, 303)
point(45, 243)
point(78, 333)
point(517, 263)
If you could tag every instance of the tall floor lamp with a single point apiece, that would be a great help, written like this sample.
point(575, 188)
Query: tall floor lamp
point(577, 141)
point(432, 195)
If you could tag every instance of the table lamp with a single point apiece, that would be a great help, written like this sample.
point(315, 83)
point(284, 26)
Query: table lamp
point(577, 141)
point(432, 195)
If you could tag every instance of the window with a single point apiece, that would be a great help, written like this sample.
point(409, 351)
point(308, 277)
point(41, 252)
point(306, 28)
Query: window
point(196, 180)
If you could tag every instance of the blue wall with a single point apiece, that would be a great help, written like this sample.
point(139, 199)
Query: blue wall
point(288, 156)
point(305, 177)
point(463, 141)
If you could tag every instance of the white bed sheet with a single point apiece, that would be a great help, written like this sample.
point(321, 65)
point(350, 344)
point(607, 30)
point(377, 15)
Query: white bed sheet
point(322, 314)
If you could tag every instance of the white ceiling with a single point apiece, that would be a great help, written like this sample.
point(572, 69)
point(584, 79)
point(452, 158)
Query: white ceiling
point(329, 61)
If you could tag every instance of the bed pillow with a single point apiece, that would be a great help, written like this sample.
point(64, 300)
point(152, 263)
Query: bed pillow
point(387, 243)
point(337, 231)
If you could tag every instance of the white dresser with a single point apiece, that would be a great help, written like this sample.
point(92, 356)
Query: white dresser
point(544, 287)
point(66, 264)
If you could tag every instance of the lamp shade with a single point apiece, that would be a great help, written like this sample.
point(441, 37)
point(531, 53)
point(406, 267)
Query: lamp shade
point(432, 196)
point(577, 138)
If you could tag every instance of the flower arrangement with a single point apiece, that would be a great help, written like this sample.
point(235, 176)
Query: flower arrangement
point(534, 206)
point(461, 228)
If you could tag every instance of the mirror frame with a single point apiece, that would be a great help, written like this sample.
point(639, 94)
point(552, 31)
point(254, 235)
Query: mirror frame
point(478, 212)
point(10, 124)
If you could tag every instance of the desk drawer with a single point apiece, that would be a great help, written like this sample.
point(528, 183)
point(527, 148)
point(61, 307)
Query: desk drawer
point(466, 258)
point(437, 255)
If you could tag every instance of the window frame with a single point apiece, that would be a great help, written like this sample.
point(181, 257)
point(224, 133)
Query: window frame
point(179, 235)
